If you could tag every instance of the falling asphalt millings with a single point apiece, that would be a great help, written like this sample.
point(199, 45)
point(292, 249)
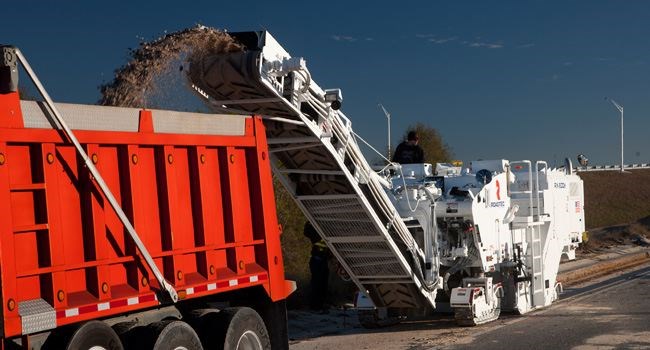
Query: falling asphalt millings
point(155, 65)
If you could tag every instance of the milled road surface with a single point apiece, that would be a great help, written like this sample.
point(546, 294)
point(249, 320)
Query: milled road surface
point(614, 314)
point(610, 313)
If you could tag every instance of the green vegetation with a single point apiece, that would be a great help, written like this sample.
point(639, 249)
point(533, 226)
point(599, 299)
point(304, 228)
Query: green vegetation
point(295, 246)
point(435, 150)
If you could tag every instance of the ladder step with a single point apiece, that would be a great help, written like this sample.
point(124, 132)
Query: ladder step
point(384, 254)
point(27, 187)
point(343, 220)
point(357, 239)
point(31, 228)
point(366, 278)
point(372, 263)
point(338, 209)
point(328, 196)
point(388, 281)
point(312, 172)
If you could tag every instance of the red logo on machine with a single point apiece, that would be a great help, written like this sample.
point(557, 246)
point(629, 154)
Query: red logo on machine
point(498, 190)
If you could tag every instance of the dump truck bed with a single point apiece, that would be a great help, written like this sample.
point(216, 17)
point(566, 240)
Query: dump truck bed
point(197, 188)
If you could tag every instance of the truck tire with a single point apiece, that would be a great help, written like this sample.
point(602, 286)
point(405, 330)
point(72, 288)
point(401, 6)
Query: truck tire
point(237, 328)
point(274, 315)
point(94, 335)
point(173, 335)
point(166, 335)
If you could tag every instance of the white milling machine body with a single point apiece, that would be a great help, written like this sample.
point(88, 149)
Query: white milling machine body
point(390, 244)
point(500, 231)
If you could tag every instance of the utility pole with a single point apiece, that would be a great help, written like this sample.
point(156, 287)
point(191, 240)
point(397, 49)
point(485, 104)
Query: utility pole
point(620, 109)
point(388, 120)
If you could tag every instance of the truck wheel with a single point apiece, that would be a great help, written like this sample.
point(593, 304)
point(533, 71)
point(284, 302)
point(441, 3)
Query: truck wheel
point(172, 335)
point(175, 335)
point(94, 335)
point(237, 328)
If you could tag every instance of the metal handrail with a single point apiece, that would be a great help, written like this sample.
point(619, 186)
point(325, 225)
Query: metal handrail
point(537, 190)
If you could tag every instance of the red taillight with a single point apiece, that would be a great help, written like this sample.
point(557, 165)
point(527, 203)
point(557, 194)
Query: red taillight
point(474, 292)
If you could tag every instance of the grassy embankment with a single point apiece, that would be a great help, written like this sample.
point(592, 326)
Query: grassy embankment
point(617, 205)
point(612, 198)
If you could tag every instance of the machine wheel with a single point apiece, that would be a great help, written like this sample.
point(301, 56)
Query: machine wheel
point(469, 317)
point(165, 335)
point(92, 335)
point(370, 319)
point(237, 328)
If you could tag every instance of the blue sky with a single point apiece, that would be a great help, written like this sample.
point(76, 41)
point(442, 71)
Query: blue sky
point(508, 79)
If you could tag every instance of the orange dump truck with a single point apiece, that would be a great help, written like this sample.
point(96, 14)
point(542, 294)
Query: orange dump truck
point(127, 228)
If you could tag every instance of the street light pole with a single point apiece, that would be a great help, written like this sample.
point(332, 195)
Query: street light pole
point(620, 109)
point(388, 120)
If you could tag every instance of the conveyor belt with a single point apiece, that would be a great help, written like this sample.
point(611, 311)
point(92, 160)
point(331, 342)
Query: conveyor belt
point(319, 162)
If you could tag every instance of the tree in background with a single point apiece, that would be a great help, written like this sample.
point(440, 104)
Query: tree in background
point(435, 150)
point(296, 247)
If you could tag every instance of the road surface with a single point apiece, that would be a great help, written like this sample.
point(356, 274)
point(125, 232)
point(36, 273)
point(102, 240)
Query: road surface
point(610, 313)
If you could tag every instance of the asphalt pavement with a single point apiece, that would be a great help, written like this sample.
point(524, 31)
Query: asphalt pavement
point(610, 312)
point(613, 313)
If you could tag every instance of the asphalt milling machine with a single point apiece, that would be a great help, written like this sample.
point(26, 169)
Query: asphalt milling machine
point(412, 238)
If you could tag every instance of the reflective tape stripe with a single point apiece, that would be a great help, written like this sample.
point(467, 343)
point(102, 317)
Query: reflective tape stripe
point(71, 312)
point(118, 303)
point(113, 304)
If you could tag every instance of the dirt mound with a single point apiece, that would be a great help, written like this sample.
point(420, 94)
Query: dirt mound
point(606, 237)
point(616, 208)
point(155, 66)
point(613, 198)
